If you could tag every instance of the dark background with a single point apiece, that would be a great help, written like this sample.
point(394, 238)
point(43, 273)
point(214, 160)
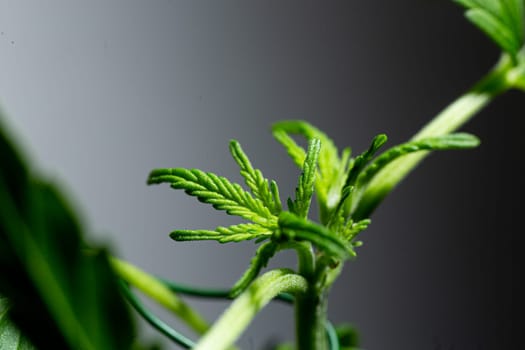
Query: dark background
point(99, 93)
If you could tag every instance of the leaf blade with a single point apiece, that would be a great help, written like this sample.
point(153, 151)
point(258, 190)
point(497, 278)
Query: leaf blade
point(331, 167)
point(258, 184)
point(501, 20)
point(498, 31)
point(362, 160)
point(264, 253)
point(454, 141)
point(217, 191)
point(306, 183)
point(42, 267)
point(296, 152)
point(234, 233)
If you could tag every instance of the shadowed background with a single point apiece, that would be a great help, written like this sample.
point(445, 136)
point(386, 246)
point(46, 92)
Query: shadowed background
point(100, 93)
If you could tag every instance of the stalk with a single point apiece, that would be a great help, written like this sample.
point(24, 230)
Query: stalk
point(310, 318)
point(238, 316)
point(311, 307)
point(450, 119)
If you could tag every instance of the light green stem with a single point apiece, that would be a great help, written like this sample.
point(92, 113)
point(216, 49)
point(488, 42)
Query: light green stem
point(238, 316)
point(157, 291)
point(450, 119)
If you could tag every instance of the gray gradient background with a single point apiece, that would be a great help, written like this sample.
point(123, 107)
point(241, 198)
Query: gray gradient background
point(101, 92)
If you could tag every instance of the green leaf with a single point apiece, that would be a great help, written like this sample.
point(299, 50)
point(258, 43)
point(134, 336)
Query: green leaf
point(10, 337)
point(516, 76)
point(268, 194)
point(498, 31)
point(328, 157)
point(305, 187)
point(234, 233)
point(352, 228)
point(60, 297)
point(293, 227)
point(217, 191)
point(362, 160)
point(501, 20)
point(445, 142)
point(332, 169)
point(348, 190)
point(296, 152)
point(520, 80)
point(265, 252)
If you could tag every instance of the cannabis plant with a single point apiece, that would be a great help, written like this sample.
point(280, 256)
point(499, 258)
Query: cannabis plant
point(59, 291)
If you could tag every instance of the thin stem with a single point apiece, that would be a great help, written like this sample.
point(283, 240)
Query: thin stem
point(154, 321)
point(213, 293)
point(158, 291)
point(310, 307)
point(238, 316)
point(450, 119)
point(331, 335)
point(196, 291)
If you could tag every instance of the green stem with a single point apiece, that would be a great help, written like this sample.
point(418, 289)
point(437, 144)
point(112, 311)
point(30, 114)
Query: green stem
point(450, 119)
point(305, 257)
point(153, 320)
point(310, 307)
point(159, 292)
point(238, 316)
point(310, 317)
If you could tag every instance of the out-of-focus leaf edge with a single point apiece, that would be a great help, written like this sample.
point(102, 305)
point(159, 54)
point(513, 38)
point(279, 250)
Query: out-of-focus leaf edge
point(39, 237)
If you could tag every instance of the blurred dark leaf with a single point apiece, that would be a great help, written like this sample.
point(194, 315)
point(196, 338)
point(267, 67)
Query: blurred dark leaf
point(61, 295)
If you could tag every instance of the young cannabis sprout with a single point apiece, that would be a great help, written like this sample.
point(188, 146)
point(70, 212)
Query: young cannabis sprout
point(47, 268)
point(322, 246)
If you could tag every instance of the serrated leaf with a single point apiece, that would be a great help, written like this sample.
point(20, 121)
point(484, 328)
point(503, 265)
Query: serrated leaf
point(10, 336)
point(501, 20)
point(296, 152)
point(362, 160)
point(362, 203)
point(234, 233)
point(352, 228)
point(348, 191)
point(258, 184)
point(332, 169)
point(293, 227)
point(217, 191)
point(305, 186)
point(495, 29)
point(328, 156)
point(445, 142)
point(60, 298)
point(265, 252)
